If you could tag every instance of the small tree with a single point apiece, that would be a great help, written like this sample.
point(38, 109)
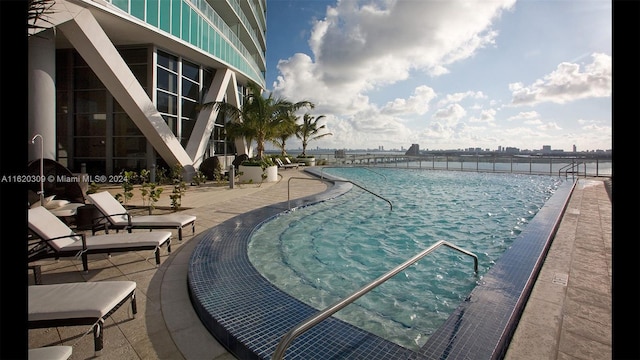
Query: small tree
point(309, 131)
point(259, 118)
point(149, 191)
point(179, 187)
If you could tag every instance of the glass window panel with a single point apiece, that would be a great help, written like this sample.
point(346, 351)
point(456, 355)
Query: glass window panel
point(134, 56)
point(90, 101)
point(172, 122)
point(167, 103)
point(140, 72)
point(78, 60)
point(191, 71)
point(90, 146)
point(189, 109)
point(167, 81)
point(186, 21)
point(130, 147)
point(137, 9)
point(152, 12)
point(122, 4)
point(85, 78)
point(136, 164)
point(165, 15)
point(94, 167)
point(168, 61)
point(124, 126)
point(190, 89)
point(187, 128)
point(195, 34)
point(175, 17)
point(90, 125)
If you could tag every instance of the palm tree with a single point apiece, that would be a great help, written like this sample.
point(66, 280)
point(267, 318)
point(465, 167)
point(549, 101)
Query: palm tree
point(309, 130)
point(38, 10)
point(288, 128)
point(259, 118)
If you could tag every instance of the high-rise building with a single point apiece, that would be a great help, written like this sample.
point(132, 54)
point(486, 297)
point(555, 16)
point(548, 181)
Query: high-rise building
point(116, 84)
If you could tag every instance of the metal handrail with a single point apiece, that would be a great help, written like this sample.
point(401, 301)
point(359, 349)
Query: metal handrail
point(327, 180)
point(312, 321)
point(570, 168)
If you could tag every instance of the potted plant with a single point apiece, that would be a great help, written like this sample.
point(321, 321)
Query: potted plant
point(308, 131)
point(260, 119)
point(258, 170)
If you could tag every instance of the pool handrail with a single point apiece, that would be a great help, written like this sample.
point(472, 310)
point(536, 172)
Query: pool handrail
point(314, 320)
point(327, 180)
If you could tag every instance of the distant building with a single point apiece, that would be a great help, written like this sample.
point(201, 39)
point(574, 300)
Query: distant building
point(413, 150)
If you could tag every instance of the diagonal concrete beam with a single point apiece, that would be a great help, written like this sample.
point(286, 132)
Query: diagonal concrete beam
point(89, 39)
point(223, 83)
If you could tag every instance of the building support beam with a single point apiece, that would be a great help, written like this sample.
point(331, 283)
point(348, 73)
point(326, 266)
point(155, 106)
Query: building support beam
point(42, 94)
point(89, 39)
point(223, 85)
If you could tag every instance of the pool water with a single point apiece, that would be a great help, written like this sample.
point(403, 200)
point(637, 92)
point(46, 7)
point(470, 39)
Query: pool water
point(323, 253)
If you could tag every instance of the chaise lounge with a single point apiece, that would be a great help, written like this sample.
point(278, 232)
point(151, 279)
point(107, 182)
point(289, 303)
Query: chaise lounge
point(81, 303)
point(57, 240)
point(119, 218)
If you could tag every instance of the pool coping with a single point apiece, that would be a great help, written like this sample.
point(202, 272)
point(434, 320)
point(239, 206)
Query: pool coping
point(232, 298)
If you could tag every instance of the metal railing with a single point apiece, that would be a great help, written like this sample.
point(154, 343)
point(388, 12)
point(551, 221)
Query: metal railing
point(312, 321)
point(573, 168)
point(333, 180)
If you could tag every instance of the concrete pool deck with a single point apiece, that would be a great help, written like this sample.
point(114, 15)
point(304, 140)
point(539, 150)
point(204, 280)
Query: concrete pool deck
point(568, 315)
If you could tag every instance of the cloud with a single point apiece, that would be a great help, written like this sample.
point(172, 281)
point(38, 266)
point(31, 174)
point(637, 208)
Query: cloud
point(450, 115)
point(359, 47)
point(567, 83)
point(418, 103)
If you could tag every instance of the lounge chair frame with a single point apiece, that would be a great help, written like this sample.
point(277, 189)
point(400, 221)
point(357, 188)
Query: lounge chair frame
point(105, 222)
point(40, 247)
point(97, 323)
point(286, 166)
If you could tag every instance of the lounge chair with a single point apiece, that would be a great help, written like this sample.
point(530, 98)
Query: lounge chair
point(60, 352)
point(119, 218)
point(286, 159)
point(57, 240)
point(285, 166)
point(80, 303)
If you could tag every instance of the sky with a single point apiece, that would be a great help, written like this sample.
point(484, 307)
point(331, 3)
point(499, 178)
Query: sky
point(446, 74)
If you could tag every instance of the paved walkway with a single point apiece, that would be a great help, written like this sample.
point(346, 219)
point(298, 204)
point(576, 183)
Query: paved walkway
point(571, 321)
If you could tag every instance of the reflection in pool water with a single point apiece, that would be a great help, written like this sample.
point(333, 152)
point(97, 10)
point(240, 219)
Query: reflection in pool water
point(322, 253)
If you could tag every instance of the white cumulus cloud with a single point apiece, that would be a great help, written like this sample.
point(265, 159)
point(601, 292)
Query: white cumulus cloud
point(567, 83)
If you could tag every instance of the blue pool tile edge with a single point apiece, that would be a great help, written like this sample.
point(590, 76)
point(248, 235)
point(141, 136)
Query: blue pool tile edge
point(249, 315)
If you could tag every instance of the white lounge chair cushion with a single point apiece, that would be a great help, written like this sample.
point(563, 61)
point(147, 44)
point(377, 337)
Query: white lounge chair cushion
point(173, 220)
point(48, 226)
point(61, 352)
point(76, 300)
point(108, 205)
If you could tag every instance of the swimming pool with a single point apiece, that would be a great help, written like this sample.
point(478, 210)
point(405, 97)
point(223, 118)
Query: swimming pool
point(249, 315)
point(322, 253)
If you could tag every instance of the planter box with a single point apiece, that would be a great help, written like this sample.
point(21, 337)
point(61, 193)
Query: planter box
point(253, 174)
point(307, 161)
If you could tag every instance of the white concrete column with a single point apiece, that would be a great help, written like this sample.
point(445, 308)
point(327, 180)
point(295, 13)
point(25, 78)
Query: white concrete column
point(42, 94)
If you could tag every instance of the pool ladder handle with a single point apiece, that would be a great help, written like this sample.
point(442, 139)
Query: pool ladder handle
point(573, 168)
point(314, 320)
point(327, 180)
